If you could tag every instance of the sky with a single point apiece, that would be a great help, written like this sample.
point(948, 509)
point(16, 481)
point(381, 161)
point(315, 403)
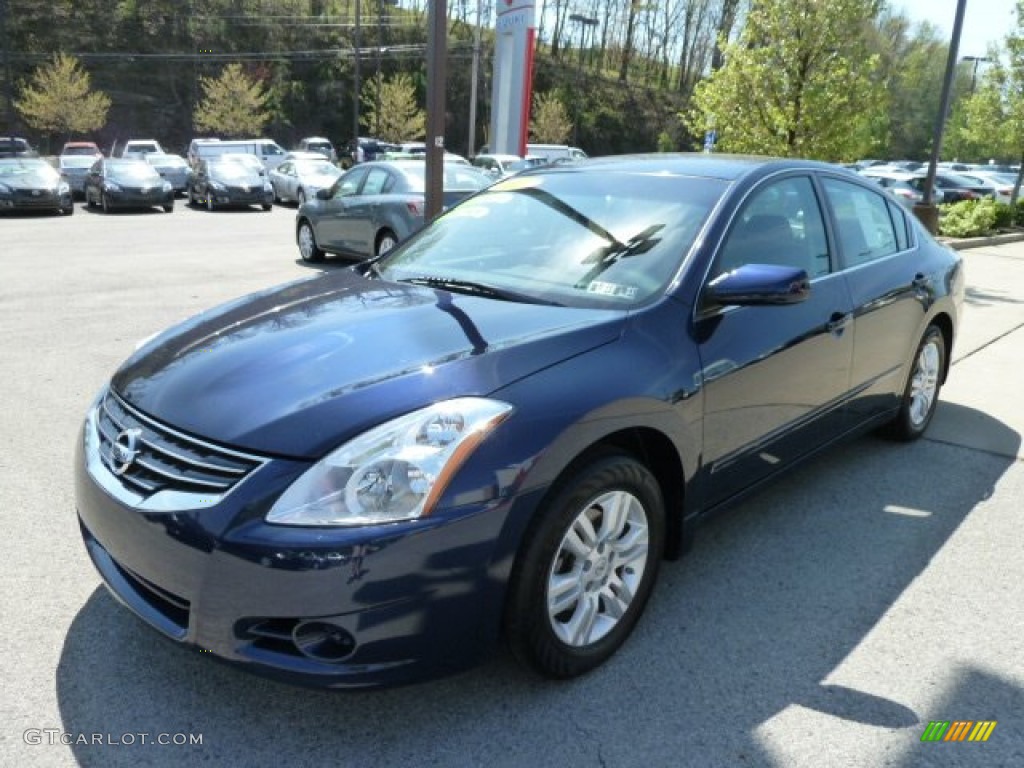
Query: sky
point(984, 21)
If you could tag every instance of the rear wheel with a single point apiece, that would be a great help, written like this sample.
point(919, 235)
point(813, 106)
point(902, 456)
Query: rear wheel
point(386, 240)
point(588, 565)
point(308, 248)
point(921, 395)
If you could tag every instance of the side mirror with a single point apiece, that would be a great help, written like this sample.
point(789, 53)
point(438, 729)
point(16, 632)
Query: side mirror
point(760, 284)
point(323, 194)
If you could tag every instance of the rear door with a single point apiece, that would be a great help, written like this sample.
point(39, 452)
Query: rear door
point(889, 289)
point(775, 377)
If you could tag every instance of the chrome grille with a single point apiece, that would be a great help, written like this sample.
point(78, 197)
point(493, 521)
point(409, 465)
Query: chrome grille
point(164, 459)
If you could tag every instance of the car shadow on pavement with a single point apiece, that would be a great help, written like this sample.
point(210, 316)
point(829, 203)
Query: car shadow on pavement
point(986, 298)
point(774, 596)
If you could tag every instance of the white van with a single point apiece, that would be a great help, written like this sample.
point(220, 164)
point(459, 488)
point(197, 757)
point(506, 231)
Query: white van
point(267, 150)
point(552, 152)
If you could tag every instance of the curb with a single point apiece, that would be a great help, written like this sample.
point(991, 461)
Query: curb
point(964, 244)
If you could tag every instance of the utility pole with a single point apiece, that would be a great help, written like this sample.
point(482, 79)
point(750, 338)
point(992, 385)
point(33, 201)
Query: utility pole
point(355, 78)
point(437, 33)
point(473, 81)
point(5, 41)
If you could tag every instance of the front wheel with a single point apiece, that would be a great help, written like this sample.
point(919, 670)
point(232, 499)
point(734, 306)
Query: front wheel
point(169, 208)
point(921, 394)
point(308, 248)
point(588, 565)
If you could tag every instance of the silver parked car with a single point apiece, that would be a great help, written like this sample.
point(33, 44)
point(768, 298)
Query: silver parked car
point(75, 168)
point(174, 168)
point(374, 206)
point(300, 178)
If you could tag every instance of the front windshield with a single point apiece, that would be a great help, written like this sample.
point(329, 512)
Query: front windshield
point(579, 239)
point(135, 172)
point(230, 169)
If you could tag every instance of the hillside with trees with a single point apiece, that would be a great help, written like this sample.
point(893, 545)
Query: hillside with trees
point(628, 76)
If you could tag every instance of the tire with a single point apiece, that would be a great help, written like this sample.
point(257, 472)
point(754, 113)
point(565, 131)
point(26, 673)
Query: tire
point(576, 593)
point(69, 211)
point(190, 201)
point(210, 205)
point(168, 208)
point(300, 197)
point(104, 203)
point(308, 248)
point(268, 206)
point(921, 393)
point(386, 240)
point(89, 202)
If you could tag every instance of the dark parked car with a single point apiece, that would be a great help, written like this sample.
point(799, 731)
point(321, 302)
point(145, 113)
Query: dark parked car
point(222, 181)
point(955, 188)
point(374, 206)
point(504, 425)
point(127, 183)
point(31, 184)
point(171, 167)
point(364, 150)
point(16, 147)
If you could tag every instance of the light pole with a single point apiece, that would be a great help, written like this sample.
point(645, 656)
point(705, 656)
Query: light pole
point(926, 210)
point(976, 60)
point(584, 22)
point(474, 77)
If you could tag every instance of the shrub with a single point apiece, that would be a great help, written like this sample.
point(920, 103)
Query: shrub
point(968, 218)
point(1004, 216)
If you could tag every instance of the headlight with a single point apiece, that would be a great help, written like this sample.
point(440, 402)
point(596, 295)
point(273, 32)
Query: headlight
point(216, 185)
point(168, 186)
point(63, 188)
point(395, 471)
point(268, 187)
point(4, 189)
point(110, 186)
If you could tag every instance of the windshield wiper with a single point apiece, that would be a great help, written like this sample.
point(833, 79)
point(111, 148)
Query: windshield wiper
point(457, 285)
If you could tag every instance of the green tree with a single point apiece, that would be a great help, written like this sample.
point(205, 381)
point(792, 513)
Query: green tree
point(59, 99)
point(393, 112)
point(550, 123)
point(233, 104)
point(797, 82)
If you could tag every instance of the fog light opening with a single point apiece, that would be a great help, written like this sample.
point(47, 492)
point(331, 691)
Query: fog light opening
point(322, 641)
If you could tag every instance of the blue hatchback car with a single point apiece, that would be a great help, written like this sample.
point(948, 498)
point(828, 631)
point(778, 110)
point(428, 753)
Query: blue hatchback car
point(502, 427)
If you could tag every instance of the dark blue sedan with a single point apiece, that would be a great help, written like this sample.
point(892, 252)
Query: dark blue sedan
point(503, 426)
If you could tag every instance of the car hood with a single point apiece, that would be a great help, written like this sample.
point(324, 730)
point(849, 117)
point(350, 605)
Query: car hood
point(296, 370)
point(32, 180)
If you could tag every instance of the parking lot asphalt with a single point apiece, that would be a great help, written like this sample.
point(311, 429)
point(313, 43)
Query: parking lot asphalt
point(825, 622)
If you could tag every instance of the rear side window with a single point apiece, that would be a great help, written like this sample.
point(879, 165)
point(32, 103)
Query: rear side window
point(864, 227)
point(899, 222)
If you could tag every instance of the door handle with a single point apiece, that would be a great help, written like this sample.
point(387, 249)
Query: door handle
point(837, 322)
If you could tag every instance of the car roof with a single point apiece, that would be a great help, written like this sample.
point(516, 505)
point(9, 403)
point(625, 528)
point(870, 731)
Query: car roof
point(717, 166)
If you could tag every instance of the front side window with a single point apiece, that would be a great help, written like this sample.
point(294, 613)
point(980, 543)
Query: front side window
point(779, 224)
point(863, 224)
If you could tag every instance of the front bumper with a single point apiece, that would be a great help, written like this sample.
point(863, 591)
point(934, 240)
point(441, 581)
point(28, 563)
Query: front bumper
point(139, 199)
point(241, 196)
point(412, 600)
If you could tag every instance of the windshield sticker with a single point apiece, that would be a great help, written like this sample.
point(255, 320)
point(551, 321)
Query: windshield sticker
point(612, 289)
